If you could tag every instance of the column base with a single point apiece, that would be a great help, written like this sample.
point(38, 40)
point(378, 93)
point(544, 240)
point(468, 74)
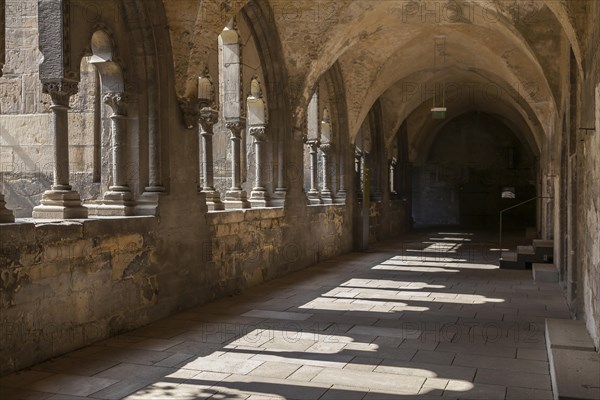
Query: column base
point(259, 198)
point(340, 198)
point(6, 215)
point(60, 204)
point(147, 203)
point(327, 197)
point(213, 200)
point(154, 189)
point(116, 204)
point(314, 197)
point(278, 197)
point(236, 199)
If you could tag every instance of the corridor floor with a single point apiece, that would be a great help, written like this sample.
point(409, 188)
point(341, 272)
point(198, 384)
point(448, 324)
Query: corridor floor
point(429, 316)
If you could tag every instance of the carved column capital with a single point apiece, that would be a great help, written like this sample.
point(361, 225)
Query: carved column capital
point(259, 133)
point(207, 117)
point(60, 91)
point(117, 101)
point(190, 109)
point(313, 144)
point(326, 148)
point(236, 127)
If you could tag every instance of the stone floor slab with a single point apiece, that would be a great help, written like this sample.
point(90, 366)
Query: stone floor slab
point(393, 323)
point(72, 384)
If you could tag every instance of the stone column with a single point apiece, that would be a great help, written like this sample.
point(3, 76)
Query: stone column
point(281, 189)
point(5, 214)
point(208, 117)
point(256, 119)
point(2, 36)
point(118, 103)
point(392, 179)
point(235, 197)
point(147, 202)
point(154, 173)
point(326, 194)
point(358, 171)
point(60, 201)
point(314, 197)
point(118, 200)
point(341, 194)
point(259, 196)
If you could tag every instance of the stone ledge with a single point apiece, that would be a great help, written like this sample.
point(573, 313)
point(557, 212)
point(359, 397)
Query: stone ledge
point(544, 272)
point(249, 214)
point(568, 334)
point(318, 208)
point(44, 231)
point(575, 374)
point(574, 362)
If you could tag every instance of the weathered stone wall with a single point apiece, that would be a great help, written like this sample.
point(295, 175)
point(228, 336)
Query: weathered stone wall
point(251, 246)
point(388, 219)
point(588, 212)
point(589, 229)
point(68, 284)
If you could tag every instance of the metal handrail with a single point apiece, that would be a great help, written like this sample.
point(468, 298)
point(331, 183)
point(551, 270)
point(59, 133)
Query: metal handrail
point(510, 208)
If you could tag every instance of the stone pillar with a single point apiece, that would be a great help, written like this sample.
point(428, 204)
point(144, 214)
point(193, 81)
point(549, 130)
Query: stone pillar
point(393, 178)
point(208, 117)
point(358, 171)
point(327, 152)
point(147, 203)
point(2, 36)
point(154, 173)
point(327, 147)
point(281, 189)
point(119, 199)
point(341, 194)
point(5, 214)
point(235, 197)
point(118, 103)
point(230, 92)
point(60, 201)
point(256, 119)
point(259, 196)
point(314, 197)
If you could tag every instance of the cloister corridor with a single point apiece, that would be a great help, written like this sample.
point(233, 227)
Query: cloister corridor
point(427, 316)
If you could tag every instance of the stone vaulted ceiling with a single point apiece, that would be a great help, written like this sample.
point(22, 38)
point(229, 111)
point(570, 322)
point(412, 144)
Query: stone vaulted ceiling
point(513, 45)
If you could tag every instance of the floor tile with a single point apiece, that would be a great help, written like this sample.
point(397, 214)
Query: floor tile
point(388, 324)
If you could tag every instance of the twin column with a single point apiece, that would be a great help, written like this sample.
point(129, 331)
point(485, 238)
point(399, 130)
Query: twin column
point(60, 201)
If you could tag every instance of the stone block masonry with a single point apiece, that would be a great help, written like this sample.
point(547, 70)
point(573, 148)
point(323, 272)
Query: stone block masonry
point(255, 245)
point(68, 284)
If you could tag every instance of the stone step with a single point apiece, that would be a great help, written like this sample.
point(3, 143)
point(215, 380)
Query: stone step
point(544, 248)
point(574, 362)
point(528, 254)
point(509, 260)
point(544, 272)
point(568, 334)
point(525, 250)
point(543, 243)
